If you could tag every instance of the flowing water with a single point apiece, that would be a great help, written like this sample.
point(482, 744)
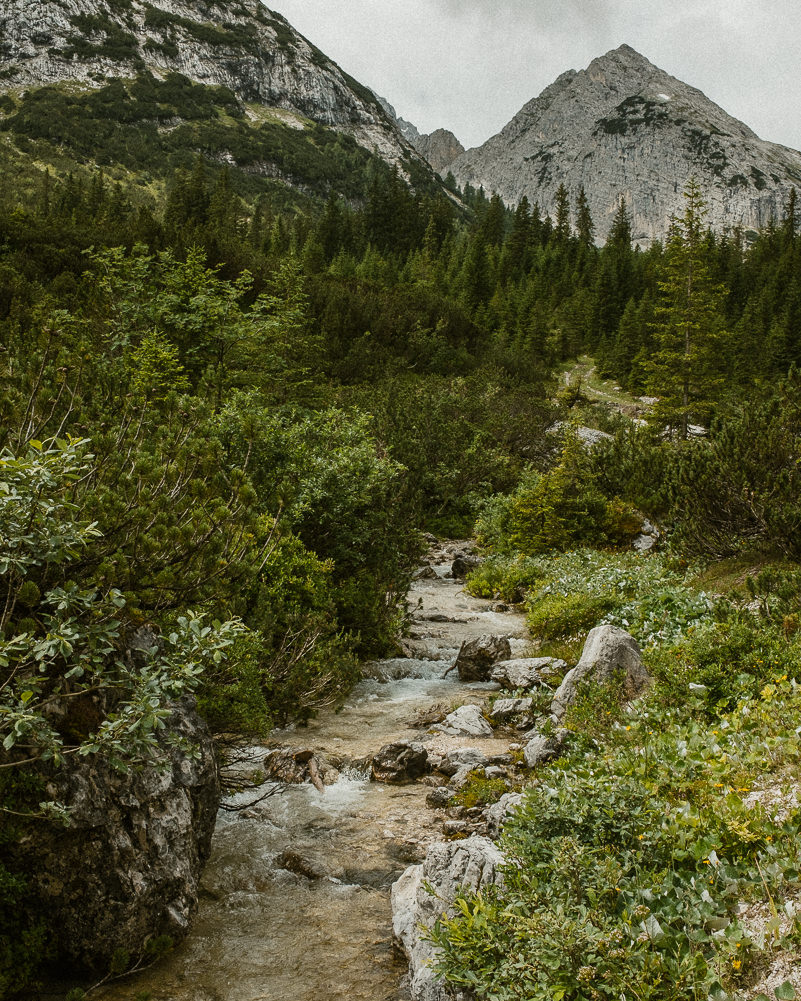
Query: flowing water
point(323, 931)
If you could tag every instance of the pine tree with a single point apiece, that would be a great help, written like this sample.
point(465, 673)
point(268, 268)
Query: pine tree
point(562, 214)
point(686, 368)
point(585, 227)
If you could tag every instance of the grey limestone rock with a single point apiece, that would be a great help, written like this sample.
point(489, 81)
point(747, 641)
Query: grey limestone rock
point(128, 866)
point(466, 721)
point(400, 763)
point(440, 148)
point(609, 652)
point(526, 673)
point(454, 760)
point(472, 863)
point(463, 564)
point(507, 709)
point(543, 747)
point(237, 44)
point(476, 657)
point(498, 813)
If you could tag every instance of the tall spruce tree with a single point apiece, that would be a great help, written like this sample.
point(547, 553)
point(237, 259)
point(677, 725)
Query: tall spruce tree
point(687, 367)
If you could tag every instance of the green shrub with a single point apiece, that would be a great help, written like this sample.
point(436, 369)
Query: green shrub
point(562, 616)
point(731, 660)
point(479, 791)
point(506, 577)
point(625, 868)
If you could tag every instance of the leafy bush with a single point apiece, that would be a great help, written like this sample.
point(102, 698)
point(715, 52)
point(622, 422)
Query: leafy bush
point(507, 577)
point(61, 644)
point(557, 510)
point(730, 660)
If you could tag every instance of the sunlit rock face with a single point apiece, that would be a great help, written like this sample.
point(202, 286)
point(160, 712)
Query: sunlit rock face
point(625, 128)
point(238, 44)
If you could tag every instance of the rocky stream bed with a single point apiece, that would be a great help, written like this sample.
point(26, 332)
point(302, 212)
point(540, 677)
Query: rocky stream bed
point(295, 899)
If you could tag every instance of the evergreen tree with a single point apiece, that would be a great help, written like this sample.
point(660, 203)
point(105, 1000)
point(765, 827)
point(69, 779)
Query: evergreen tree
point(562, 214)
point(686, 367)
point(585, 227)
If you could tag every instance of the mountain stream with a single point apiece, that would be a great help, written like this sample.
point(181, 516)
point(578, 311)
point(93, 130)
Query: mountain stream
point(294, 902)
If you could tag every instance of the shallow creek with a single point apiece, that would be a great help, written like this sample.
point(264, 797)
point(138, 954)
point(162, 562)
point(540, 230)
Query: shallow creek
point(263, 933)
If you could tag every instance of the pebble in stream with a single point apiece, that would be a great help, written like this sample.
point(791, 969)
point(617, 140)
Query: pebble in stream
point(295, 899)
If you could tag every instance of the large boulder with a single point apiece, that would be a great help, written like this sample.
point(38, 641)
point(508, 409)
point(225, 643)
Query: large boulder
point(609, 653)
point(526, 673)
point(505, 710)
point(466, 721)
point(128, 865)
point(454, 760)
point(400, 763)
point(477, 657)
point(424, 892)
point(463, 564)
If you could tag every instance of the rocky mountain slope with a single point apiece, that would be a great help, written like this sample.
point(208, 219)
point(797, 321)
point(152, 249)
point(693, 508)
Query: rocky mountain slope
point(440, 148)
point(236, 44)
point(625, 128)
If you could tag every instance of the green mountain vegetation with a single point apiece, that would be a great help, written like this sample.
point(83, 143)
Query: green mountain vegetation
point(231, 405)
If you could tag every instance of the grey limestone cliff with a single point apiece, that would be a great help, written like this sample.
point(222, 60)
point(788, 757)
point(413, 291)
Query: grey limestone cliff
point(440, 148)
point(238, 44)
point(128, 866)
point(625, 128)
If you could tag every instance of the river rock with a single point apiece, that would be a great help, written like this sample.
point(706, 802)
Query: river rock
point(466, 721)
point(400, 763)
point(476, 657)
point(461, 778)
point(439, 797)
point(608, 653)
point(298, 865)
point(127, 867)
point(526, 673)
point(499, 812)
point(464, 564)
point(472, 864)
point(426, 573)
point(456, 759)
point(507, 709)
point(543, 747)
point(296, 767)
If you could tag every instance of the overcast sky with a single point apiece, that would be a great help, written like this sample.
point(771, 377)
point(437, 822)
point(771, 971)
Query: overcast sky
point(470, 65)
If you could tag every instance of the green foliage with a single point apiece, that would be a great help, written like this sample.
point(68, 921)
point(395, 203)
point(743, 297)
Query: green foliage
point(506, 577)
point(642, 594)
point(625, 868)
point(479, 791)
point(689, 361)
point(115, 43)
point(556, 510)
point(730, 660)
point(73, 649)
point(24, 941)
point(597, 708)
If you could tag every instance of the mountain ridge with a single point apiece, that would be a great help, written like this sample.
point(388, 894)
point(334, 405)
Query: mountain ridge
point(241, 45)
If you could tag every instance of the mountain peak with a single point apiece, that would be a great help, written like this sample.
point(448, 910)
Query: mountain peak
point(623, 127)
